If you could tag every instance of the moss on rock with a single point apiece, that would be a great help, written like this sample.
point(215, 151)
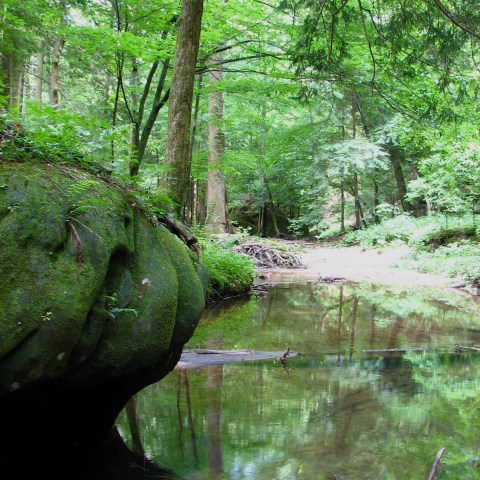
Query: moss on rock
point(89, 288)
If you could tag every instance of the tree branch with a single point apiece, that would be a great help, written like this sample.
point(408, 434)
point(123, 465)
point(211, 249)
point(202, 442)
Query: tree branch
point(124, 95)
point(207, 68)
point(367, 37)
point(146, 90)
point(452, 18)
point(332, 25)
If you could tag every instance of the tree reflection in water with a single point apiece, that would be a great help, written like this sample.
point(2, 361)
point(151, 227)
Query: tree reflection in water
point(341, 410)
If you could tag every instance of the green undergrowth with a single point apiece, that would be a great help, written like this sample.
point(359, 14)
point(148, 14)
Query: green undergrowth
point(55, 136)
point(458, 259)
point(424, 232)
point(441, 244)
point(229, 273)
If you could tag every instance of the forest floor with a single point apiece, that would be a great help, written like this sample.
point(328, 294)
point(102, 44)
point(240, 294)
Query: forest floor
point(357, 264)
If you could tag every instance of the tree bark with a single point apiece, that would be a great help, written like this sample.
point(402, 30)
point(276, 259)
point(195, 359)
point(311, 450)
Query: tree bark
point(342, 208)
point(159, 101)
point(201, 202)
point(39, 78)
point(395, 159)
point(358, 217)
point(14, 70)
point(419, 206)
point(217, 214)
point(375, 202)
point(21, 87)
point(181, 96)
point(355, 175)
point(366, 130)
point(192, 192)
point(272, 207)
point(141, 133)
point(133, 133)
point(56, 57)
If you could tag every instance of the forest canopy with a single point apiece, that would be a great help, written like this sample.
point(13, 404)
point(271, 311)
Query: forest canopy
point(307, 117)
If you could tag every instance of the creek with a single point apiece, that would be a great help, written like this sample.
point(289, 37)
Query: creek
point(344, 409)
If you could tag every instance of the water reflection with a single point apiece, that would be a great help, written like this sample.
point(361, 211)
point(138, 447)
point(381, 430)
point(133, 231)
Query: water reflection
point(341, 410)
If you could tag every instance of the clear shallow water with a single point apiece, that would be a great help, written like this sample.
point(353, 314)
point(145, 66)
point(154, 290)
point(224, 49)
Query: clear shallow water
point(338, 410)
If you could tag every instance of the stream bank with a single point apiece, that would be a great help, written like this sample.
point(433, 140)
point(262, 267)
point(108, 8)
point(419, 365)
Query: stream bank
point(328, 264)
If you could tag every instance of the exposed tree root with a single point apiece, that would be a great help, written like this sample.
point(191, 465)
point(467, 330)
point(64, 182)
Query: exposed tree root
point(269, 257)
point(78, 243)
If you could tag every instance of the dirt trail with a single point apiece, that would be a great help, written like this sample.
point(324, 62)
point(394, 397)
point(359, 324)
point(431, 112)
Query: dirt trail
point(359, 264)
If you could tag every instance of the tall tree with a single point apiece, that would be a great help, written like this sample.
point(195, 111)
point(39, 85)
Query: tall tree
point(177, 153)
point(39, 75)
point(217, 210)
point(57, 54)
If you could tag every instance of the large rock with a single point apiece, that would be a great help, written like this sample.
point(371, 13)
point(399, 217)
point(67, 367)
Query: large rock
point(96, 301)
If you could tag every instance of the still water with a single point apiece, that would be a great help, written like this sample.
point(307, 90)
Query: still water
point(339, 410)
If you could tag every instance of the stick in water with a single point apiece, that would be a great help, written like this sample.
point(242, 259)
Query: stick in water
point(283, 359)
point(435, 463)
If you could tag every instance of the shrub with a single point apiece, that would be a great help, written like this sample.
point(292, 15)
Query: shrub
point(458, 259)
point(425, 232)
point(53, 135)
point(229, 273)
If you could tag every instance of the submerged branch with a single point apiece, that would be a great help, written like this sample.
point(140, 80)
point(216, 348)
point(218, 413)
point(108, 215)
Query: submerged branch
point(394, 350)
point(435, 463)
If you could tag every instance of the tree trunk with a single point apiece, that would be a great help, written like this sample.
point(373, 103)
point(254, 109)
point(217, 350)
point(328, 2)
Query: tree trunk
point(217, 214)
point(14, 70)
point(201, 201)
point(21, 87)
point(418, 206)
point(56, 56)
point(260, 223)
point(395, 159)
point(358, 217)
point(375, 202)
point(159, 101)
point(192, 193)
point(134, 127)
point(39, 78)
point(177, 153)
point(141, 134)
point(342, 208)
point(366, 130)
point(272, 207)
point(355, 175)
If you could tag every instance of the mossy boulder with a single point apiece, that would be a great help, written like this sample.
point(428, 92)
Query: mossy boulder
point(94, 297)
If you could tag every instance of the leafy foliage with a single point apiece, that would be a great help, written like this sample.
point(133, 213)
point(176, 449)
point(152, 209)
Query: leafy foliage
point(457, 259)
point(52, 135)
point(425, 232)
point(229, 273)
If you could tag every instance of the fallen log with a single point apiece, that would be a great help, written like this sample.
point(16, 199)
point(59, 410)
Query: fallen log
point(394, 350)
point(463, 347)
point(204, 357)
